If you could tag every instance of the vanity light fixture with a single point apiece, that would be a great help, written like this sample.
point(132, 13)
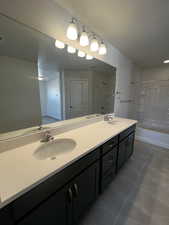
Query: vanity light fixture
point(84, 39)
point(59, 44)
point(71, 49)
point(72, 32)
point(102, 49)
point(94, 46)
point(166, 61)
point(81, 54)
point(89, 57)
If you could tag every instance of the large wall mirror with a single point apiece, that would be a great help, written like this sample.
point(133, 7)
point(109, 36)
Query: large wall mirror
point(41, 84)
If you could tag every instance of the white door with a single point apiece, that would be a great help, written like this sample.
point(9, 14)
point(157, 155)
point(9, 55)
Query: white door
point(77, 98)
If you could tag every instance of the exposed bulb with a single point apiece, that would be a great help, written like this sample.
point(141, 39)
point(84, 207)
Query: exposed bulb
point(84, 39)
point(59, 44)
point(89, 57)
point(94, 46)
point(72, 32)
point(81, 54)
point(71, 49)
point(102, 49)
point(166, 61)
point(41, 77)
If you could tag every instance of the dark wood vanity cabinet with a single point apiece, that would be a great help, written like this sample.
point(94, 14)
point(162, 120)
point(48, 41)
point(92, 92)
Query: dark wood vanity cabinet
point(63, 198)
point(122, 153)
point(5, 216)
point(68, 204)
point(130, 145)
point(85, 191)
point(53, 211)
point(108, 162)
point(126, 146)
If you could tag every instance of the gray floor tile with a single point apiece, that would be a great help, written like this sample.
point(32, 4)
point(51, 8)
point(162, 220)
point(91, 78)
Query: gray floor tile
point(139, 194)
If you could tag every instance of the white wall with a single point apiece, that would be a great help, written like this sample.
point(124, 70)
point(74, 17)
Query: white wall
point(50, 96)
point(19, 94)
point(43, 96)
point(157, 73)
point(54, 98)
point(50, 18)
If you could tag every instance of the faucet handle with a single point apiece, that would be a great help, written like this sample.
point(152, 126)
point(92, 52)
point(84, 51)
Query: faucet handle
point(47, 133)
point(47, 136)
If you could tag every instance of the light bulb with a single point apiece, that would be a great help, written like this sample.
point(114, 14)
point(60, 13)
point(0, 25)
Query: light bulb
point(102, 49)
point(94, 46)
point(166, 61)
point(72, 33)
point(59, 44)
point(84, 40)
point(89, 57)
point(71, 49)
point(81, 54)
point(41, 77)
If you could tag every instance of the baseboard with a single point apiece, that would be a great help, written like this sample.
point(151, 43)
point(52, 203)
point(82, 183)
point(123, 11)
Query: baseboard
point(153, 137)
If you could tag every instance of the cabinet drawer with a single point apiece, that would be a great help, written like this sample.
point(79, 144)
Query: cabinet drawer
point(52, 211)
point(109, 161)
point(31, 199)
point(126, 132)
point(109, 145)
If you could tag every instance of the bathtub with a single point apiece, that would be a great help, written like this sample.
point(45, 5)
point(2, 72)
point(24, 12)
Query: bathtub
point(153, 136)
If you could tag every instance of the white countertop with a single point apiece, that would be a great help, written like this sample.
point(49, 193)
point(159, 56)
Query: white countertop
point(20, 171)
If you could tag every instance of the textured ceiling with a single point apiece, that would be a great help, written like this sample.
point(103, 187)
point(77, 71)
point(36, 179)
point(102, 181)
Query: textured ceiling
point(138, 28)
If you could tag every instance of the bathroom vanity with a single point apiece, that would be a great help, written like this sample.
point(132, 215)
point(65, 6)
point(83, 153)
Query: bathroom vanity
point(64, 195)
point(46, 89)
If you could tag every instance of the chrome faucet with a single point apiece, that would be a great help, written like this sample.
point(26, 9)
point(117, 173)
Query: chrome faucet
point(47, 137)
point(108, 117)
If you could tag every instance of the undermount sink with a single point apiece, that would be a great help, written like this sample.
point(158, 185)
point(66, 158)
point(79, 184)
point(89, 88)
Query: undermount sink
point(51, 149)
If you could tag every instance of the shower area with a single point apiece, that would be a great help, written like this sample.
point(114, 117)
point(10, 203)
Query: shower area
point(153, 106)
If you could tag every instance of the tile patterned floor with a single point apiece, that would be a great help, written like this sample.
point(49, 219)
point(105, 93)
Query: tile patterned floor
point(139, 195)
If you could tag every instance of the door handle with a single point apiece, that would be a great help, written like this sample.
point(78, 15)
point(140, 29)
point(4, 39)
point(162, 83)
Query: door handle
point(75, 190)
point(70, 195)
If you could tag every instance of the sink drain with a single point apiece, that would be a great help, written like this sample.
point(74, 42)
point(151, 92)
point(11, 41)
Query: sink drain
point(53, 158)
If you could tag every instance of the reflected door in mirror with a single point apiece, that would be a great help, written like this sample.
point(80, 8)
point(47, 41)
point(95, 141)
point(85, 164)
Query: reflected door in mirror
point(77, 97)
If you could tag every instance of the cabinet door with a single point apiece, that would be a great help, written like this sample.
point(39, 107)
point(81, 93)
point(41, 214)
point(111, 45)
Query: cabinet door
point(85, 190)
point(5, 217)
point(53, 211)
point(130, 146)
point(122, 153)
